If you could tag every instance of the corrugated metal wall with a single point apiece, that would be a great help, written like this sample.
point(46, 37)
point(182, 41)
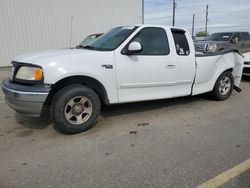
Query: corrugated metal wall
point(33, 25)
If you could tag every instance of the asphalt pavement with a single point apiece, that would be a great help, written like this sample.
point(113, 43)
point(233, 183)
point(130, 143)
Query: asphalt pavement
point(180, 142)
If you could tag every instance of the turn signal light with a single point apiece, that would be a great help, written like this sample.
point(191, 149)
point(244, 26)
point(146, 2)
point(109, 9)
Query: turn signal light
point(38, 74)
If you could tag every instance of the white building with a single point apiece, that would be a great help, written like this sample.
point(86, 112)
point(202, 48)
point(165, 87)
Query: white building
point(35, 25)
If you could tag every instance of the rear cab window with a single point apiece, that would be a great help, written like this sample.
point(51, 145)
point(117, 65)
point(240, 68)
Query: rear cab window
point(181, 42)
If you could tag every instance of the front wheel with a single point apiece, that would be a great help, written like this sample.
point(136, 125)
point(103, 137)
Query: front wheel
point(75, 109)
point(223, 87)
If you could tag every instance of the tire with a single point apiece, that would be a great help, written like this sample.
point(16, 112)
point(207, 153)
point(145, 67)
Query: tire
point(75, 109)
point(223, 87)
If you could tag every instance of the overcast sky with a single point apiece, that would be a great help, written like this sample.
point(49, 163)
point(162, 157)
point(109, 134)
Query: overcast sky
point(224, 15)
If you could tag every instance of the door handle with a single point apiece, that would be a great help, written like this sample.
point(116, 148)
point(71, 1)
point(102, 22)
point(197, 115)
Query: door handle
point(170, 66)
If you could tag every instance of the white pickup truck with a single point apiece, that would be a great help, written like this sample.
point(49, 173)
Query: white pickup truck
point(127, 64)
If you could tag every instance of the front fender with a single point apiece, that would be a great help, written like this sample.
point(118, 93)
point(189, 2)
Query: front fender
point(108, 83)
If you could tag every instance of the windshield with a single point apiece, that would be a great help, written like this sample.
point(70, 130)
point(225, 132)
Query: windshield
point(112, 39)
point(220, 37)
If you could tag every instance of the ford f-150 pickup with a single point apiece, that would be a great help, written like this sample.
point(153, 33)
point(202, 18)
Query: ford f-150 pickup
point(126, 64)
point(219, 41)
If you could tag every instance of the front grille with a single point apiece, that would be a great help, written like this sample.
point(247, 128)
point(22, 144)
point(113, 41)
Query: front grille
point(246, 70)
point(247, 63)
point(200, 47)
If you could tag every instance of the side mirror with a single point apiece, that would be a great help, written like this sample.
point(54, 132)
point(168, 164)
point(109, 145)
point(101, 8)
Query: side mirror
point(134, 47)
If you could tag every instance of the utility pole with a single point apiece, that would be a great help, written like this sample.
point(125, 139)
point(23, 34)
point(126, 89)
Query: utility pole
point(206, 20)
point(193, 25)
point(174, 6)
point(143, 10)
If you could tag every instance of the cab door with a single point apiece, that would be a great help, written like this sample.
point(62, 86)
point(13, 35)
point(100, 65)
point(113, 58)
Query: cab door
point(150, 73)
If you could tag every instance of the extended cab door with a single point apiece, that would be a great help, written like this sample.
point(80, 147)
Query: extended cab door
point(185, 62)
point(150, 73)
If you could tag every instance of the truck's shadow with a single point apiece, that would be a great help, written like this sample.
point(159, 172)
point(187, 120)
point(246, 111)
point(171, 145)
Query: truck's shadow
point(33, 122)
point(110, 111)
point(128, 108)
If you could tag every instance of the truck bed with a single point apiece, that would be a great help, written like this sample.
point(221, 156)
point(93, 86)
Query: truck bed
point(209, 66)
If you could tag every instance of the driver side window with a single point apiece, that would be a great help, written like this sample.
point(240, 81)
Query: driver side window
point(153, 40)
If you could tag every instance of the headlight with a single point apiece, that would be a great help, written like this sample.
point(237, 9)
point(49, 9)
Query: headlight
point(29, 73)
point(212, 48)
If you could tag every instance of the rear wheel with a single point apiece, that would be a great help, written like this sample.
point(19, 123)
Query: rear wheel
point(224, 86)
point(75, 109)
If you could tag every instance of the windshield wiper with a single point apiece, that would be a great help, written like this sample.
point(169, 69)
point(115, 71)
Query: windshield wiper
point(87, 47)
point(92, 48)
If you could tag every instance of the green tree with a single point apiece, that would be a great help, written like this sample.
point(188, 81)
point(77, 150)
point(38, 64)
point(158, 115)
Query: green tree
point(201, 34)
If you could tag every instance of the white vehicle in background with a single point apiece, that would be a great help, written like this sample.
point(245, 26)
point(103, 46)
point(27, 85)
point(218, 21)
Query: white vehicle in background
point(246, 69)
point(126, 64)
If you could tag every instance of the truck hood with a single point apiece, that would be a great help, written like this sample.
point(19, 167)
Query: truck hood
point(38, 57)
point(62, 63)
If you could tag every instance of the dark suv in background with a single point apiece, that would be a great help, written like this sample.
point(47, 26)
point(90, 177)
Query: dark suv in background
point(219, 41)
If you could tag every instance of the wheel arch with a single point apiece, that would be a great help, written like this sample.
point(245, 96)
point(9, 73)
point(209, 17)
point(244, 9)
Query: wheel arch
point(222, 72)
point(217, 91)
point(91, 82)
point(209, 86)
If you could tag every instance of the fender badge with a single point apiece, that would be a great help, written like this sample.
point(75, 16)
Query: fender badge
point(107, 66)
